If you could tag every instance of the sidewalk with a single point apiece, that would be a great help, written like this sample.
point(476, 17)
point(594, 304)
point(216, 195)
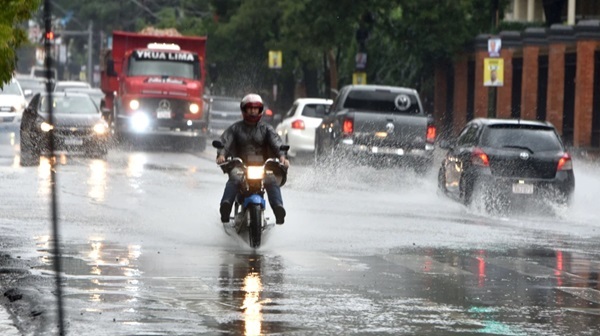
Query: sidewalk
point(7, 327)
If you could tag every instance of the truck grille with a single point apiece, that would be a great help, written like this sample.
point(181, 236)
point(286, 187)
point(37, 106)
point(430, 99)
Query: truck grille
point(178, 107)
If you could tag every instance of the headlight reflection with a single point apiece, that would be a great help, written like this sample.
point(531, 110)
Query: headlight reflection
point(97, 180)
point(252, 305)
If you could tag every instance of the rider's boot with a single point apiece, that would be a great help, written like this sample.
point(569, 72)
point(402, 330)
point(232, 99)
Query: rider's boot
point(279, 212)
point(225, 211)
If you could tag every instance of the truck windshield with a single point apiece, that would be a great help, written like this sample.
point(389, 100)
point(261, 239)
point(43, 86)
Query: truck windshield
point(162, 67)
point(382, 101)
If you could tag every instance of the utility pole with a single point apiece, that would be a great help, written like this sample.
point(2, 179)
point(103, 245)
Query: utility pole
point(90, 71)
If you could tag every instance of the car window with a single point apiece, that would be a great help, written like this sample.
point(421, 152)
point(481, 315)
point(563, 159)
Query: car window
point(11, 88)
point(314, 110)
point(468, 136)
point(226, 105)
point(70, 105)
point(291, 111)
point(382, 101)
point(535, 138)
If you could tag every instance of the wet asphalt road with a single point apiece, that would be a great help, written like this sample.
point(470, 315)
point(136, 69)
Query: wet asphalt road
point(363, 251)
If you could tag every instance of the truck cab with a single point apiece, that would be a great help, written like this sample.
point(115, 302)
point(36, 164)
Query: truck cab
point(155, 90)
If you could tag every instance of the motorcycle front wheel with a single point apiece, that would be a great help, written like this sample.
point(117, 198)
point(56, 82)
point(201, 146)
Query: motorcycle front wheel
point(255, 225)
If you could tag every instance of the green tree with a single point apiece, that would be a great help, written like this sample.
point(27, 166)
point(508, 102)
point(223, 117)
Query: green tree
point(12, 35)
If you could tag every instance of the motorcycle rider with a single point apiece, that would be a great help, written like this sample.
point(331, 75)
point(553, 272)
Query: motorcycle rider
point(252, 141)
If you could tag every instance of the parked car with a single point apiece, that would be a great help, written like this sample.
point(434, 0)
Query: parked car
point(78, 127)
point(31, 85)
point(297, 129)
point(61, 86)
point(502, 161)
point(12, 102)
point(222, 112)
point(376, 123)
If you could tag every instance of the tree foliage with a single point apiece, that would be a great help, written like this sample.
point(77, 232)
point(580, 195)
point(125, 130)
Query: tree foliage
point(404, 39)
point(14, 13)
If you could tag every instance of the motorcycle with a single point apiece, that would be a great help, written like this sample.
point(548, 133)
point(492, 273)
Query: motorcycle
point(249, 205)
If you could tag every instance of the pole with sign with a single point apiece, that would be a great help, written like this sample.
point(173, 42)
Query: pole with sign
point(275, 62)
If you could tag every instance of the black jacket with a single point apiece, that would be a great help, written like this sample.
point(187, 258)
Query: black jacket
point(252, 143)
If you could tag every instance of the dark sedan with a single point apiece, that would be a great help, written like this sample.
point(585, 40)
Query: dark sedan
point(78, 127)
point(507, 161)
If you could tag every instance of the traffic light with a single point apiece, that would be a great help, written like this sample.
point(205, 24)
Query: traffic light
point(50, 35)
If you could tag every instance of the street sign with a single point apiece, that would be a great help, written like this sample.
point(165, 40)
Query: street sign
point(493, 72)
point(361, 61)
point(359, 78)
point(494, 46)
point(275, 59)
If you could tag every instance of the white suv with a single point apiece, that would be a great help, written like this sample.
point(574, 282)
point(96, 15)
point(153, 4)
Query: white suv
point(12, 102)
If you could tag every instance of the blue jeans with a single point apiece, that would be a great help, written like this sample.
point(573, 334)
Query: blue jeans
point(235, 180)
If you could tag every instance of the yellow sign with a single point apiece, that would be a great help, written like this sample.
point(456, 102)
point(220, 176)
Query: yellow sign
point(493, 72)
point(275, 59)
point(359, 78)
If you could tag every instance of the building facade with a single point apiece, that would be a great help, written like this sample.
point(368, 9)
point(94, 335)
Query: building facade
point(549, 74)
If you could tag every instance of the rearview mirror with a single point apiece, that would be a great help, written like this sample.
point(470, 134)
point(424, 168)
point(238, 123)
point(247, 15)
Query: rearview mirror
point(217, 144)
point(110, 68)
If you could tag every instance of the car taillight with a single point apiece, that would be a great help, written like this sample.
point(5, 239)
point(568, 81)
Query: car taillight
point(479, 158)
point(298, 124)
point(348, 126)
point(565, 163)
point(430, 134)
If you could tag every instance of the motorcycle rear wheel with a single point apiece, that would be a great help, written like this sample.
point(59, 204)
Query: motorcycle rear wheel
point(255, 225)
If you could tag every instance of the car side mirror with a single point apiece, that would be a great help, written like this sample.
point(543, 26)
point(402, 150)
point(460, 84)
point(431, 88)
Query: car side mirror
point(110, 68)
point(27, 92)
point(446, 144)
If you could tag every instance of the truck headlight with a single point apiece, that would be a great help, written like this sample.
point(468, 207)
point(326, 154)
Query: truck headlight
point(134, 104)
point(140, 122)
point(194, 108)
point(46, 127)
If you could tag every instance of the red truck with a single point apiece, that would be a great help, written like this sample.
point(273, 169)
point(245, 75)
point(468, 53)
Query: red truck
point(153, 86)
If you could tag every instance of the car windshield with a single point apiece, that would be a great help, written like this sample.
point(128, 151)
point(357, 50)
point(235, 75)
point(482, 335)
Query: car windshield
point(35, 85)
point(96, 94)
point(60, 87)
point(11, 88)
point(226, 105)
point(534, 138)
point(382, 101)
point(70, 105)
point(314, 110)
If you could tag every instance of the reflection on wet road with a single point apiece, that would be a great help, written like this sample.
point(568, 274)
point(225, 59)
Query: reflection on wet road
point(407, 291)
point(363, 251)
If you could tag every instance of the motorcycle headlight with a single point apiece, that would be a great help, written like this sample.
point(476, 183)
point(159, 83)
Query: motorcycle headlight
point(46, 127)
point(255, 172)
point(100, 128)
point(194, 108)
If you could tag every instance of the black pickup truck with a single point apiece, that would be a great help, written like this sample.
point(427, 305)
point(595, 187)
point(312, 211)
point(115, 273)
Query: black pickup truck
point(373, 122)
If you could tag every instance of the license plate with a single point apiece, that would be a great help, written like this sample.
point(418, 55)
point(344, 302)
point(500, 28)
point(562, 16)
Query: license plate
point(73, 141)
point(163, 114)
point(522, 188)
point(387, 150)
